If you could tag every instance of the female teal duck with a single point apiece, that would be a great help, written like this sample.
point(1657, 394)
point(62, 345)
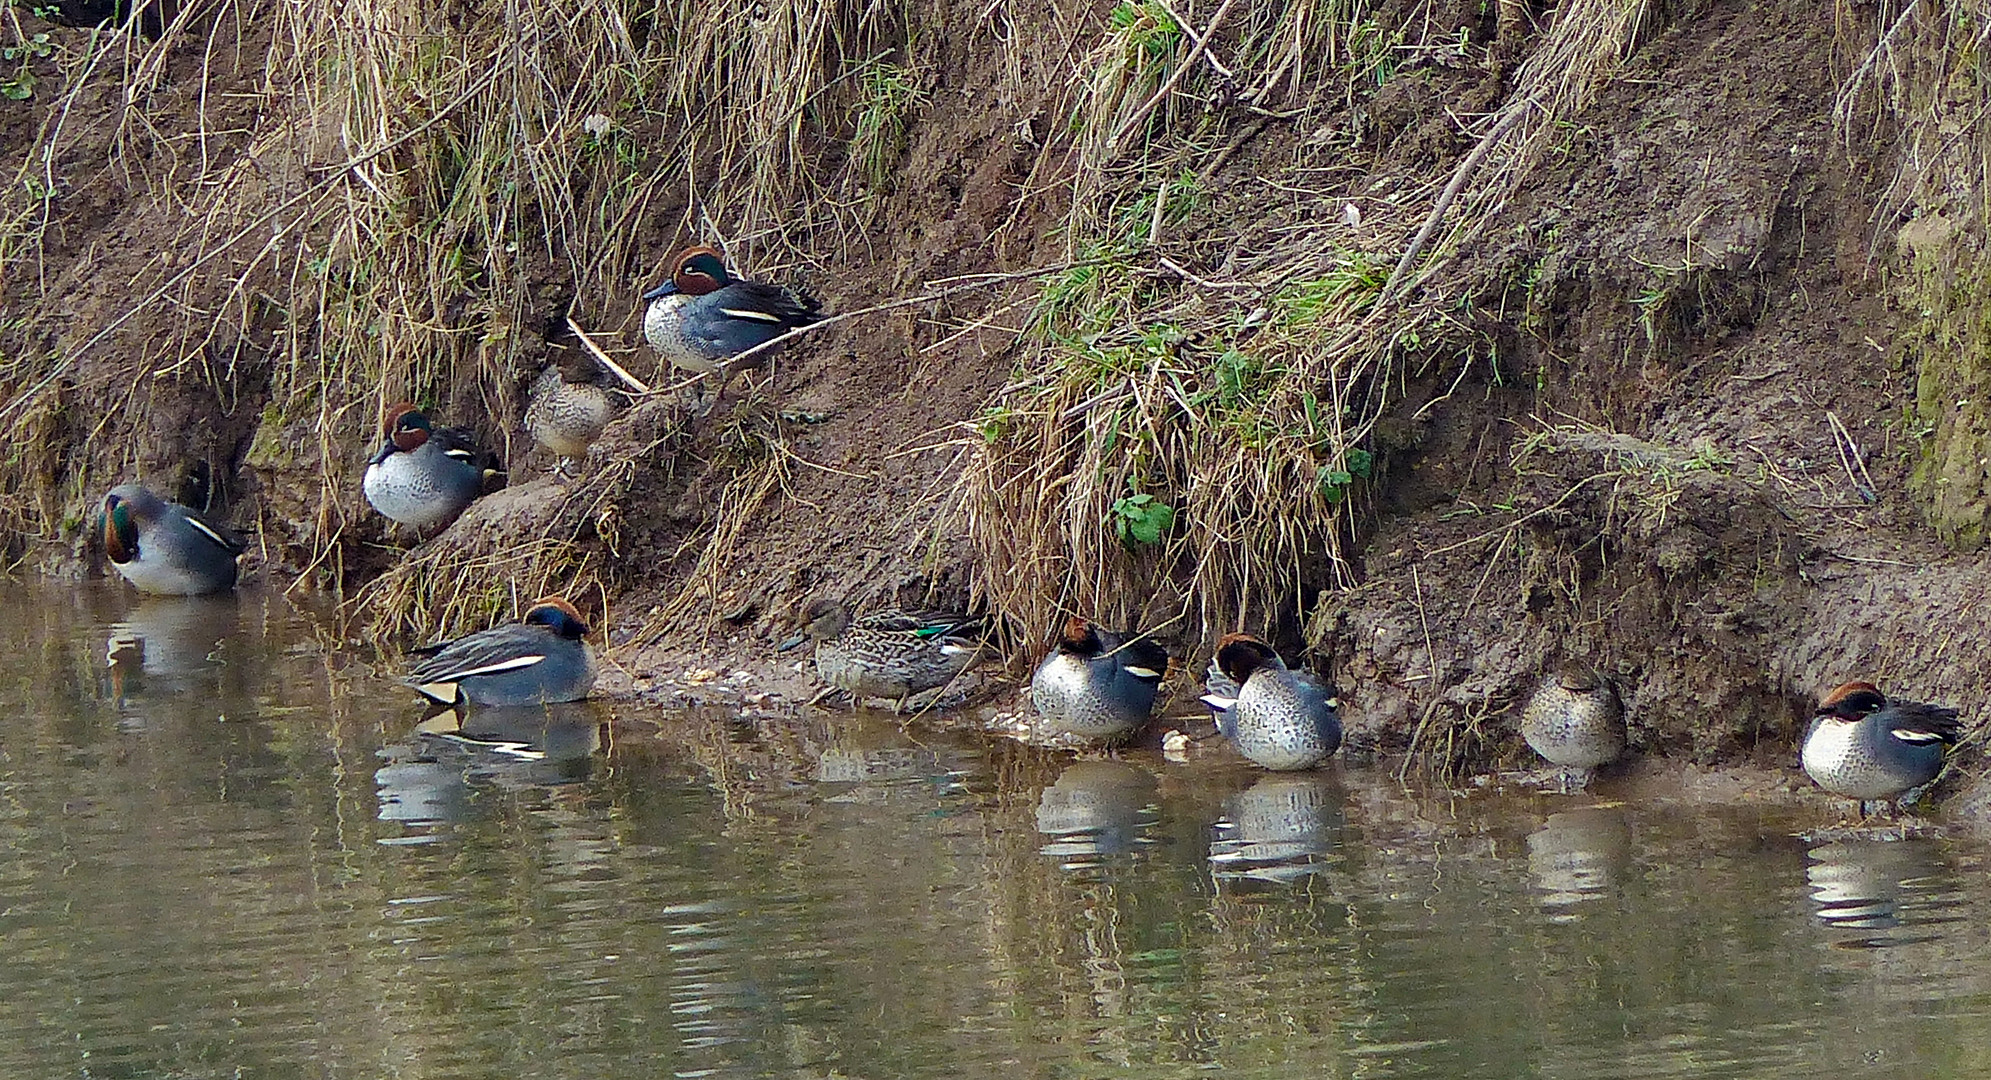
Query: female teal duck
point(538, 660)
point(1278, 718)
point(888, 654)
point(701, 316)
point(1866, 746)
point(569, 405)
point(163, 547)
point(1098, 684)
point(1575, 720)
point(423, 475)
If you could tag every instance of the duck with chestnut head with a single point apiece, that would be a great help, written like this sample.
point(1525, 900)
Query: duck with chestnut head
point(423, 475)
point(1867, 746)
point(162, 547)
point(540, 659)
point(1279, 718)
point(1096, 683)
point(702, 316)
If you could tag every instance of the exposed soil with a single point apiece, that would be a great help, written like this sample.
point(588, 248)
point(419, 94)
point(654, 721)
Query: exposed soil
point(1686, 458)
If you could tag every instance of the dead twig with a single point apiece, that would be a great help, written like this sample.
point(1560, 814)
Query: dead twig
point(1171, 266)
point(601, 358)
point(1850, 459)
point(1167, 87)
point(1209, 55)
point(1521, 107)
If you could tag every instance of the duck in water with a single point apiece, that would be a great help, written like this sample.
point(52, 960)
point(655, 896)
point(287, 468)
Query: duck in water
point(1279, 718)
point(1098, 684)
point(1866, 746)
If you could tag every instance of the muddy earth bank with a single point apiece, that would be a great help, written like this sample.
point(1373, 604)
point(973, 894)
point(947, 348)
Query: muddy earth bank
point(1691, 442)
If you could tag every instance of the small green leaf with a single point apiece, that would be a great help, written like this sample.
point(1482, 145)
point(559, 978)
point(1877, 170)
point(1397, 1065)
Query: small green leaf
point(1361, 462)
point(1141, 519)
point(1333, 483)
point(1149, 528)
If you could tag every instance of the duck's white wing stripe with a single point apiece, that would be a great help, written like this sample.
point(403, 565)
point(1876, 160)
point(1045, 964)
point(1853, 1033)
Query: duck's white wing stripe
point(209, 532)
point(516, 663)
point(442, 693)
point(749, 314)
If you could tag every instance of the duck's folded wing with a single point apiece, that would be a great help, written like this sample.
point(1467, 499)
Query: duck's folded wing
point(931, 625)
point(774, 305)
point(1915, 722)
point(1145, 659)
point(490, 652)
point(223, 536)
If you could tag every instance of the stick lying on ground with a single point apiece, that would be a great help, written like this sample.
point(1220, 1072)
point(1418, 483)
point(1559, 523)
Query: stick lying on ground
point(601, 357)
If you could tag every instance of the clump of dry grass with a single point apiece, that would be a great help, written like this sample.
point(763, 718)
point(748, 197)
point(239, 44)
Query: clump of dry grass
point(424, 195)
point(1920, 77)
point(753, 438)
point(1224, 390)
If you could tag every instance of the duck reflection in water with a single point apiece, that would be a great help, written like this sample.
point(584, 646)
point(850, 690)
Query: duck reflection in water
point(1578, 855)
point(429, 776)
point(171, 643)
point(1282, 829)
point(1095, 809)
point(1871, 885)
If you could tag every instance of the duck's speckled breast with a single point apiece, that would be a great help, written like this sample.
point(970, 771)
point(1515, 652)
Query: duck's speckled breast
point(664, 328)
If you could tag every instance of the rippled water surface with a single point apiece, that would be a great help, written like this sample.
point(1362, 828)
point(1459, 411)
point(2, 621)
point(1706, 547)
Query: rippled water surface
point(233, 849)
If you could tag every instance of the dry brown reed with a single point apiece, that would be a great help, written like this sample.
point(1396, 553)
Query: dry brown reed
point(1920, 78)
point(384, 201)
point(1235, 375)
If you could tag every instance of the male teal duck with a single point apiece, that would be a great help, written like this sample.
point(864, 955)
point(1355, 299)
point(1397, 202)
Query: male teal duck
point(163, 547)
point(1278, 718)
point(1098, 684)
point(539, 660)
point(887, 654)
point(1575, 720)
point(1866, 746)
point(423, 475)
point(702, 316)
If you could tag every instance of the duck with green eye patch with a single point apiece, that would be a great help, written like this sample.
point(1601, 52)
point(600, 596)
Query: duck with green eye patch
point(163, 547)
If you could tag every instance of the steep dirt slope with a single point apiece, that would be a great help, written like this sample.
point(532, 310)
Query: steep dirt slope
point(1654, 405)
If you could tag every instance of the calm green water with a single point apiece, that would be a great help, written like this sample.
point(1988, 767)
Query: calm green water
point(236, 853)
